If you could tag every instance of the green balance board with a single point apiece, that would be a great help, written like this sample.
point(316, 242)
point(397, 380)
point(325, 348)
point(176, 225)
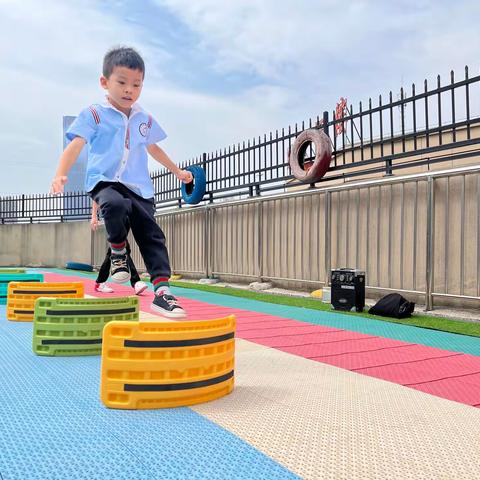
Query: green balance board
point(74, 326)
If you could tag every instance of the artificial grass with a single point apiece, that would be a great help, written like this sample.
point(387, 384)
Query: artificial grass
point(416, 320)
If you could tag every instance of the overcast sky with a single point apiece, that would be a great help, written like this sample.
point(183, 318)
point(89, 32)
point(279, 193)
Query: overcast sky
point(217, 72)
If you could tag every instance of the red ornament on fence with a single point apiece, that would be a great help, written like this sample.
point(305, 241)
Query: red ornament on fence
point(339, 112)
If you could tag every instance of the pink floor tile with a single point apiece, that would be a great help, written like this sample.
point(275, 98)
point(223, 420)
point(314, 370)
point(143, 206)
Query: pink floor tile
point(384, 356)
point(355, 344)
point(300, 340)
point(282, 331)
point(423, 371)
point(457, 389)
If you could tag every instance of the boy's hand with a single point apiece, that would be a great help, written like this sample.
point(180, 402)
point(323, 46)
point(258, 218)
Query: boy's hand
point(57, 185)
point(185, 176)
point(94, 223)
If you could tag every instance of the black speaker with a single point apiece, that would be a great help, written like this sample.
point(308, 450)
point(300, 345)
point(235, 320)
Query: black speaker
point(348, 289)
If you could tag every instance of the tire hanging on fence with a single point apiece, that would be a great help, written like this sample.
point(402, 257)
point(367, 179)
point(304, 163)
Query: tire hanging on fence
point(323, 155)
point(193, 192)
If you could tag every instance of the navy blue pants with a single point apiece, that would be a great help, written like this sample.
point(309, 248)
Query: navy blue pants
point(122, 209)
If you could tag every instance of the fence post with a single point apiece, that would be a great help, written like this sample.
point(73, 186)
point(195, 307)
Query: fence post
point(324, 125)
point(328, 236)
point(388, 167)
point(260, 239)
point(211, 219)
point(206, 248)
point(23, 206)
point(430, 243)
point(92, 248)
point(325, 122)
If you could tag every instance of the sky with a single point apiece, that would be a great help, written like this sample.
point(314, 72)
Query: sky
point(217, 72)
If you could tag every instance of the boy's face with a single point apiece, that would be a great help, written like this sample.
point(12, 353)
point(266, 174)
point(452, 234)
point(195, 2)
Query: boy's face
point(124, 87)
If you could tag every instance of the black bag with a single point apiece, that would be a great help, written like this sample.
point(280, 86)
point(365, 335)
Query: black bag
point(393, 305)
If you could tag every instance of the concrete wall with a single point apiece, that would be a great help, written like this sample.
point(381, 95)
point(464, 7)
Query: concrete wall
point(45, 244)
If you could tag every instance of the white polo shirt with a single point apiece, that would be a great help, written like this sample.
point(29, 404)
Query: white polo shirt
point(117, 146)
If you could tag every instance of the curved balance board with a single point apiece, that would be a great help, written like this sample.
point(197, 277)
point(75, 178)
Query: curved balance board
point(167, 364)
point(12, 270)
point(6, 278)
point(74, 326)
point(21, 296)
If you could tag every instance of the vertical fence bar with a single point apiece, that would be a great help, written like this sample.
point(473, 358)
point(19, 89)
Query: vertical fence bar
point(478, 234)
point(380, 113)
point(260, 240)
point(415, 223)
point(390, 216)
point(447, 229)
point(427, 134)
point(378, 234)
point(452, 90)
point(439, 100)
point(430, 244)
point(467, 103)
point(402, 232)
point(392, 134)
point(462, 238)
point(328, 236)
point(414, 118)
point(361, 131)
point(402, 114)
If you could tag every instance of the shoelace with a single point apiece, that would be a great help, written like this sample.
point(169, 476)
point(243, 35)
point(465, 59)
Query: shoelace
point(171, 300)
point(119, 262)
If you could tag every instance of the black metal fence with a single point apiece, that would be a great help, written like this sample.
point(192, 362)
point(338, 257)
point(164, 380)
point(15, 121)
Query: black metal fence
point(417, 127)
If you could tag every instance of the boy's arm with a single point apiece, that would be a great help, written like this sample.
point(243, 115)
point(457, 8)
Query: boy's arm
point(161, 157)
point(68, 158)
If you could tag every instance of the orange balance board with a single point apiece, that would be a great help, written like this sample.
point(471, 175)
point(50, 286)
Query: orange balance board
point(21, 296)
point(167, 364)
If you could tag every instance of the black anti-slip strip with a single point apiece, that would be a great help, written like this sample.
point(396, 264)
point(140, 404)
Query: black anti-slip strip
point(94, 341)
point(3, 296)
point(128, 387)
point(91, 312)
point(177, 343)
point(33, 292)
point(23, 311)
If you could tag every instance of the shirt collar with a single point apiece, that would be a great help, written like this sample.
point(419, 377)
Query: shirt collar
point(136, 107)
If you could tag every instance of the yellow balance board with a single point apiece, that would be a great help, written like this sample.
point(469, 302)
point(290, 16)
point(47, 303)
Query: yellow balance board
point(21, 296)
point(167, 364)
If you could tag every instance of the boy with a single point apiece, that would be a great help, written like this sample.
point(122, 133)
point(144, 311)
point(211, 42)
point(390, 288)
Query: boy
point(119, 134)
point(100, 283)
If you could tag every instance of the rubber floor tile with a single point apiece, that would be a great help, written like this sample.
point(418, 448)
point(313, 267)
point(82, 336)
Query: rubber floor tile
point(279, 332)
point(384, 356)
point(456, 389)
point(339, 347)
point(310, 338)
point(426, 370)
point(270, 325)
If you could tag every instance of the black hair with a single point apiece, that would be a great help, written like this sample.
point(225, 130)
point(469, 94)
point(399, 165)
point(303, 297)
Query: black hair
point(122, 57)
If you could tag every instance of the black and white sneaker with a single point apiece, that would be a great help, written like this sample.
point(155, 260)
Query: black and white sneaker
point(119, 270)
point(167, 306)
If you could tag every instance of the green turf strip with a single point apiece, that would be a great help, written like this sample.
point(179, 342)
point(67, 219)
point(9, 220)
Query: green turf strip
point(424, 321)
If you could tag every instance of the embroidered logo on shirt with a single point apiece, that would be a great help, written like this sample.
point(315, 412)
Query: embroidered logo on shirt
point(143, 129)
